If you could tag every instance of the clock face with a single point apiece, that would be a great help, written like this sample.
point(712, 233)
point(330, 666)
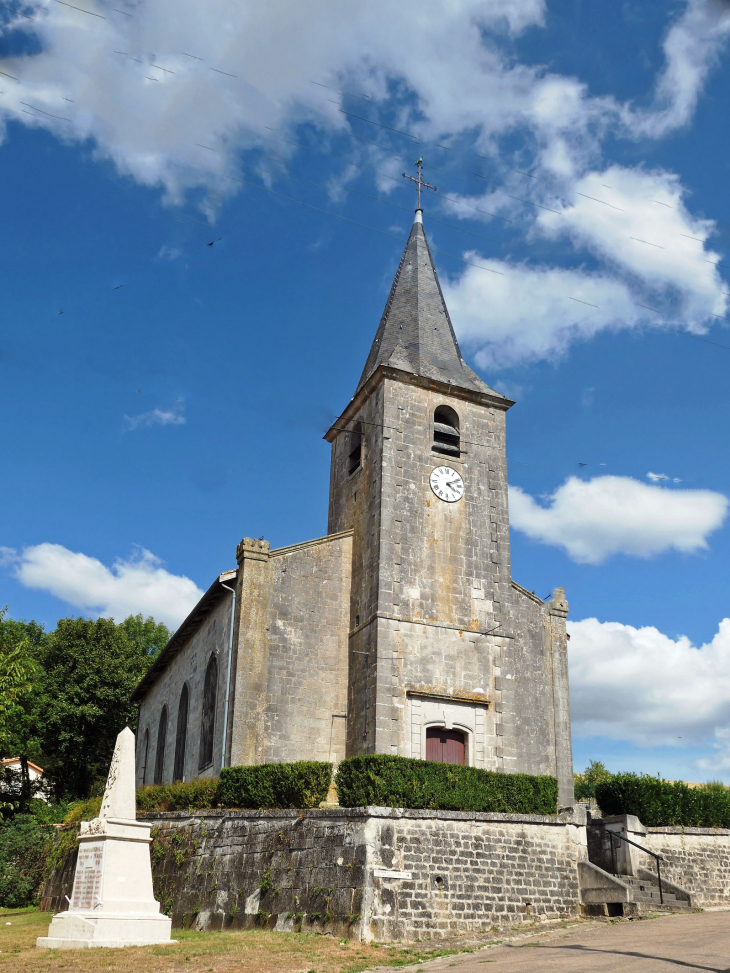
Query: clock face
point(447, 484)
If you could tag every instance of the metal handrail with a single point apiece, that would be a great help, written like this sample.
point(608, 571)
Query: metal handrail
point(617, 834)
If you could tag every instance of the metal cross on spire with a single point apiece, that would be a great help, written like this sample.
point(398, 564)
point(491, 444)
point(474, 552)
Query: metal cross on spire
point(420, 184)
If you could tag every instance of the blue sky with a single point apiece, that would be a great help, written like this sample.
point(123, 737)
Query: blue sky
point(178, 401)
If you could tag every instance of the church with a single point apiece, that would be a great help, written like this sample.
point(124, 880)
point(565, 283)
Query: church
point(399, 632)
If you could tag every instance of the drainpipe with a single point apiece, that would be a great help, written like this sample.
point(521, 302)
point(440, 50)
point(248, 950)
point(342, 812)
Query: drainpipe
point(228, 575)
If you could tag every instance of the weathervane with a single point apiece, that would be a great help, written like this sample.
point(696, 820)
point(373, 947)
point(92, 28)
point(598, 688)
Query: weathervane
point(420, 184)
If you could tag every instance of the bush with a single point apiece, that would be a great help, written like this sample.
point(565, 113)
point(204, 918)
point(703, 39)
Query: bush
point(24, 848)
point(199, 794)
point(659, 803)
point(83, 810)
point(390, 781)
point(298, 785)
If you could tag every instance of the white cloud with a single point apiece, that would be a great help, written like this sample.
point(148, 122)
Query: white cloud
point(526, 313)
point(168, 252)
point(130, 586)
point(155, 417)
point(166, 117)
point(593, 519)
point(442, 70)
point(177, 120)
point(642, 228)
point(637, 224)
point(691, 48)
point(638, 684)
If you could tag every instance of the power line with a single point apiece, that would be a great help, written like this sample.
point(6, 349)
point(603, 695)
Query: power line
point(367, 226)
point(386, 202)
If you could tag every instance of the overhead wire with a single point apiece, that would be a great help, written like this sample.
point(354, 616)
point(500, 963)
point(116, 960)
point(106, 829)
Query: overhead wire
point(388, 202)
point(414, 140)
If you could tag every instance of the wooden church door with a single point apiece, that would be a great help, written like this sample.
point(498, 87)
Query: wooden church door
point(445, 746)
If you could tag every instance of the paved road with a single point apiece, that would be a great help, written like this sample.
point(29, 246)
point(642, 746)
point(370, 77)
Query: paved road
point(668, 944)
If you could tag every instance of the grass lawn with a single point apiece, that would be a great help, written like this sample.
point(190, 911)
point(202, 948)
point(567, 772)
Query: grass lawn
point(253, 951)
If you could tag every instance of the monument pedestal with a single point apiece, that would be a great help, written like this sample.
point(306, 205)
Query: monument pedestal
point(112, 903)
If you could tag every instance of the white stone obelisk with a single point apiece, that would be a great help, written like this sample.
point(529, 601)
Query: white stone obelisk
point(112, 902)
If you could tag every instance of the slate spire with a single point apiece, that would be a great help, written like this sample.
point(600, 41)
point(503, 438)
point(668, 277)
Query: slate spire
point(415, 333)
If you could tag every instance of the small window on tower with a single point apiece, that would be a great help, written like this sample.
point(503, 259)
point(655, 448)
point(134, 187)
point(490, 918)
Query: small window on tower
point(446, 439)
point(354, 461)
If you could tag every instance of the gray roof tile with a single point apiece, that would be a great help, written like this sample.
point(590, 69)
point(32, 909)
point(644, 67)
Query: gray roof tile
point(415, 332)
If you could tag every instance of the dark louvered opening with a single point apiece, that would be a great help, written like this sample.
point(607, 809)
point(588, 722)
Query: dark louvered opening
point(446, 438)
point(354, 460)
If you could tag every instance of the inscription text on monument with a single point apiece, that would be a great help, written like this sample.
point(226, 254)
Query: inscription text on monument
point(87, 883)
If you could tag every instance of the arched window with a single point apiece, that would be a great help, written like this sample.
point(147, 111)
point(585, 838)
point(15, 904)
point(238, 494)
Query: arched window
point(182, 733)
point(446, 439)
point(160, 750)
point(445, 746)
point(354, 459)
point(145, 755)
point(207, 724)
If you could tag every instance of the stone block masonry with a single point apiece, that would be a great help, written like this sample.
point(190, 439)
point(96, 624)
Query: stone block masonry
point(362, 873)
point(698, 859)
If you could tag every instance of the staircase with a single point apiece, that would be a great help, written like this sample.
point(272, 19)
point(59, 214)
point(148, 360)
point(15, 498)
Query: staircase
point(603, 894)
point(645, 893)
point(613, 881)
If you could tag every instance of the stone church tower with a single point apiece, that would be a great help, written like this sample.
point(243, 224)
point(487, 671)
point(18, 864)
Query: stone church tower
point(438, 629)
point(401, 631)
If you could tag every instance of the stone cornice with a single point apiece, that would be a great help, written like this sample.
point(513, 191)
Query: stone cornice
point(383, 372)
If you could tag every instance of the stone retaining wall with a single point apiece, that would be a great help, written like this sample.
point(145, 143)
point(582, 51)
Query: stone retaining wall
point(698, 859)
point(362, 873)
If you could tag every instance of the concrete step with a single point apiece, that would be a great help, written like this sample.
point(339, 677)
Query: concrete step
point(648, 892)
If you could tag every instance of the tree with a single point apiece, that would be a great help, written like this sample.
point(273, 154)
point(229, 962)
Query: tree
point(90, 669)
point(21, 678)
point(17, 669)
point(19, 672)
point(149, 635)
point(585, 783)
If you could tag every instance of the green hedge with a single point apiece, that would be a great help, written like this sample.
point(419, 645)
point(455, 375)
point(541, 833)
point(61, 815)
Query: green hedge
point(659, 803)
point(298, 785)
point(198, 794)
point(390, 781)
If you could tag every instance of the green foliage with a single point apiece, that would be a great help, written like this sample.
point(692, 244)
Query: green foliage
point(24, 847)
point(90, 668)
point(149, 636)
point(585, 783)
point(65, 842)
point(49, 813)
point(19, 675)
point(657, 803)
point(386, 780)
point(83, 810)
point(198, 794)
point(298, 785)
point(64, 695)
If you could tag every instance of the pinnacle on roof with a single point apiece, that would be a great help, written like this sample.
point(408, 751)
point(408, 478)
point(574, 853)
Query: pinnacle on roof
point(415, 333)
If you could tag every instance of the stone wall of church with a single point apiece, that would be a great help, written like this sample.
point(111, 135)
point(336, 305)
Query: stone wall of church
point(534, 693)
point(354, 503)
point(306, 707)
point(188, 666)
point(363, 873)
